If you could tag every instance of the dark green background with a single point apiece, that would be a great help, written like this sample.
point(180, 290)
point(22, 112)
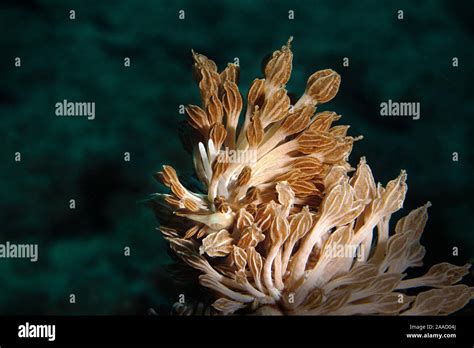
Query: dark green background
point(81, 251)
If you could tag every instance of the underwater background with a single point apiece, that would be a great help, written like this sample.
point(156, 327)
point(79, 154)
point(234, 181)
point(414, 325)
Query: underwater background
point(81, 251)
